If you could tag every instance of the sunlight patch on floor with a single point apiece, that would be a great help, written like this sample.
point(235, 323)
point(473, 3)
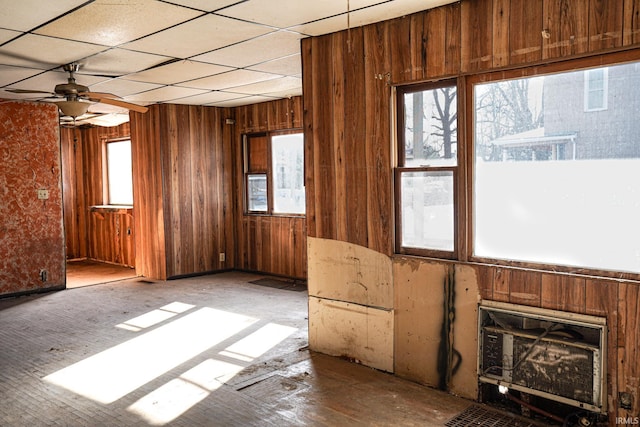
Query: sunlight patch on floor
point(119, 370)
point(174, 398)
point(155, 316)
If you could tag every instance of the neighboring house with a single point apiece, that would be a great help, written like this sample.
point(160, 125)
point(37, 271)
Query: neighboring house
point(589, 114)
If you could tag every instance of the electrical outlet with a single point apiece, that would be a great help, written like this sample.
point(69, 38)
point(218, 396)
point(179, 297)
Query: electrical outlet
point(222, 257)
point(43, 194)
point(43, 275)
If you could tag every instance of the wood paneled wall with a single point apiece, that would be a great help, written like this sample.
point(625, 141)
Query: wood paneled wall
point(347, 78)
point(183, 181)
point(106, 235)
point(268, 244)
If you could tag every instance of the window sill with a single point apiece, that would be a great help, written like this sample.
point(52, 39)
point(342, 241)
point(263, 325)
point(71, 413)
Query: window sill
point(118, 209)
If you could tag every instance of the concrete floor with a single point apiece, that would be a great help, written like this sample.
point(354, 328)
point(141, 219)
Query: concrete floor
point(206, 351)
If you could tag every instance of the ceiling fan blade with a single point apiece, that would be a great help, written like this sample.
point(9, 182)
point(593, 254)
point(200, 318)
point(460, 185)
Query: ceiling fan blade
point(123, 104)
point(29, 91)
point(98, 95)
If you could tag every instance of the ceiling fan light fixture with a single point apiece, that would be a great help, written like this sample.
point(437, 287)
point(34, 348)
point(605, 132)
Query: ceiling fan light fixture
point(73, 108)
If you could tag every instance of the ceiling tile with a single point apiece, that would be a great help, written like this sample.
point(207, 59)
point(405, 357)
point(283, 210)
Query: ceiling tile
point(9, 74)
point(244, 101)
point(118, 62)
point(205, 5)
point(114, 22)
point(198, 36)
point(283, 84)
point(45, 52)
point(178, 72)
point(230, 79)
point(6, 35)
point(122, 87)
point(260, 49)
point(48, 81)
point(366, 12)
point(287, 66)
point(209, 98)
point(284, 13)
point(163, 94)
point(25, 15)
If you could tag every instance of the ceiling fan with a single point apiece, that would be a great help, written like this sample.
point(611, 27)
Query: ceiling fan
point(77, 99)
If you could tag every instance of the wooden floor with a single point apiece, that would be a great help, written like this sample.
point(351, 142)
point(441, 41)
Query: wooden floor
point(214, 350)
point(86, 272)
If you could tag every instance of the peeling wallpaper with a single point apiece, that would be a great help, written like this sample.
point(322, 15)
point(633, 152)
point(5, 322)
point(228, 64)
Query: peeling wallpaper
point(31, 228)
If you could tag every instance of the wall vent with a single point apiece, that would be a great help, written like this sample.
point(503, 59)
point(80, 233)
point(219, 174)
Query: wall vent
point(556, 355)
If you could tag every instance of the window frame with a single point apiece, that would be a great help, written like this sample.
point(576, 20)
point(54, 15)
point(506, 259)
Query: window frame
point(605, 60)
point(267, 171)
point(400, 168)
point(106, 188)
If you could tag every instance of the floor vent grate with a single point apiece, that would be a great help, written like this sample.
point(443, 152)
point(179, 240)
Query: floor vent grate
point(476, 416)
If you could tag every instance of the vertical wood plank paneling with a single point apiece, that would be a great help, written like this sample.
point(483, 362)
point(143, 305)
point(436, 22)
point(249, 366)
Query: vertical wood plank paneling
point(631, 23)
point(525, 43)
point(324, 161)
point(525, 287)
point(268, 244)
point(418, 46)
point(501, 21)
point(567, 22)
point(338, 156)
point(435, 22)
point(566, 293)
point(148, 194)
point(605, 24)
point(628, 368)
point(502, 284)
point(476, 47)
point(602, 300)
point(400, 38)
point(453, 54)
point(486, 281)
point(355, 160)
point(377, 125)
point(307, 58)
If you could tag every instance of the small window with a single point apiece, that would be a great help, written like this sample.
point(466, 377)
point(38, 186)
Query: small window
point(427, 168)
point(595, 89)
point(274, 173)
point(119, 180)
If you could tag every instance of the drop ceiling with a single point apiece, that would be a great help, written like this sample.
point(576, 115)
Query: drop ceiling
point(199, 52)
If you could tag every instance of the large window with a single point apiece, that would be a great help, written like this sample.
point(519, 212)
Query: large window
point(119, 183)
point(554, 183)
point(274, 173)
point(427, 168)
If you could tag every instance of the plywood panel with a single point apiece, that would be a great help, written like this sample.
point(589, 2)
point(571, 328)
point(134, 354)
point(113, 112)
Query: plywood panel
point(362, 334)
point(347, 272)
point(418, 290)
